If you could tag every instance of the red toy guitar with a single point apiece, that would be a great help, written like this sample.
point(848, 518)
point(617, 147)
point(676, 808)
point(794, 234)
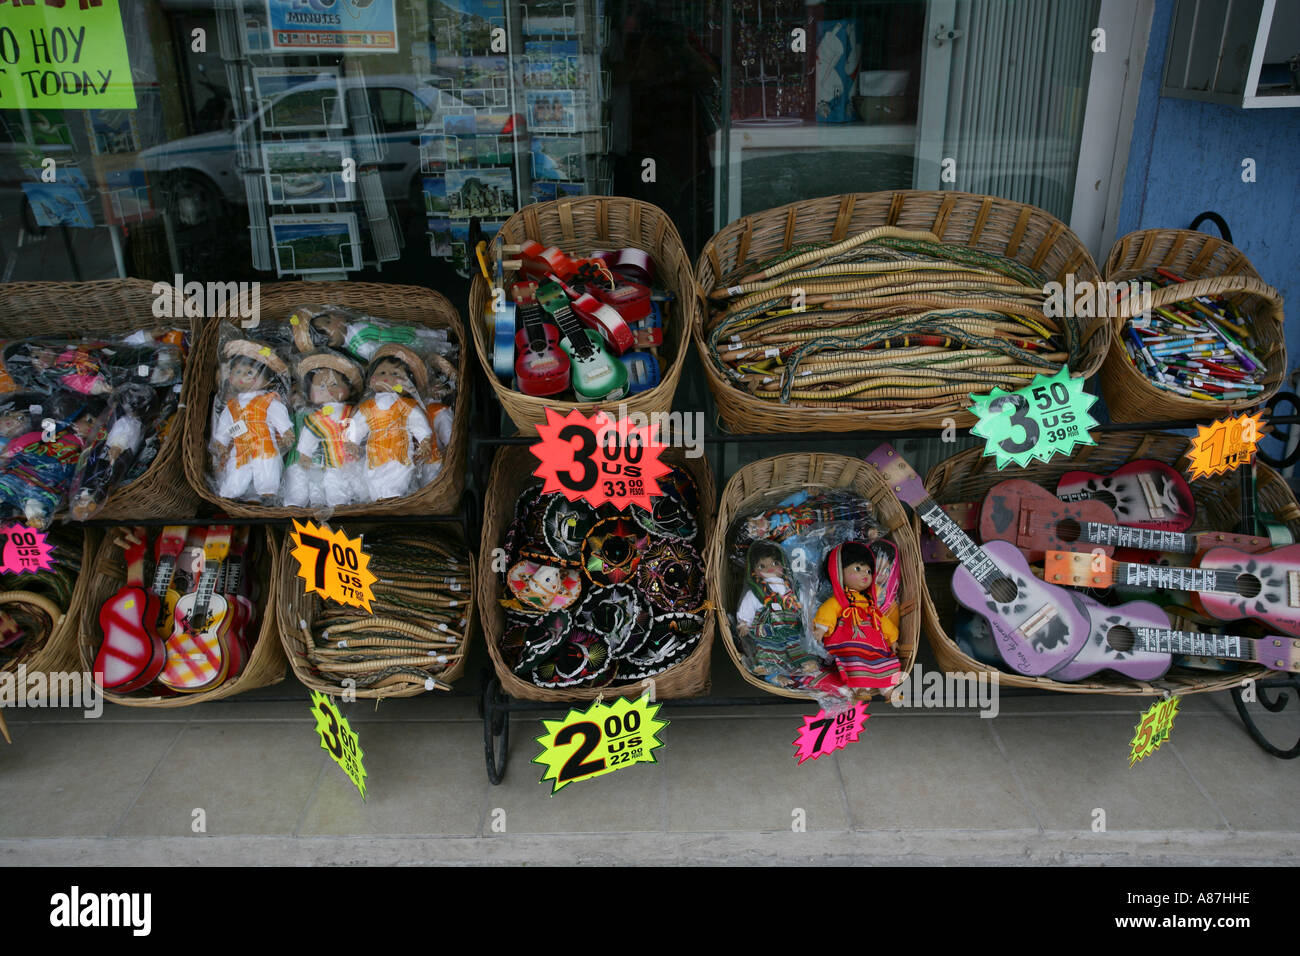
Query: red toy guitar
point(242, 609)
point(1143, 494)
point(541, 367)
point(198, 654)
point(131, 655)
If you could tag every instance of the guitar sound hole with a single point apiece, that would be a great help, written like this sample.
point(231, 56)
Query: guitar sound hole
point(1120, 638)
point(1248, 585)
point(1106, 498)
point(1067, 529)
point(1003, 590)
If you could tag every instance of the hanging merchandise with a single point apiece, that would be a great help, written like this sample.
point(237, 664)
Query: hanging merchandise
point(83, 419)
point(413, 637)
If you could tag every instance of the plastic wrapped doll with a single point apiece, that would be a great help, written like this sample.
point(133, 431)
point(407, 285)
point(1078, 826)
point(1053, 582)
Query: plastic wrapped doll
point(253, 431)
point(16, 415)
point(327, 469)
point(47, 364)
point(392, 422)
point(770, 614)
point(362, 336)
point(35, 473)
point(131, 408)
point(858, 624)
point(441, 396)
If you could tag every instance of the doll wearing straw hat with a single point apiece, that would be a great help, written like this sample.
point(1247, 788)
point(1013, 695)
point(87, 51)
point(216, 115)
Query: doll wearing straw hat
point(328, 466)
point(362, 336)
point(441, 417)
point(253, 430)
point(392, 422)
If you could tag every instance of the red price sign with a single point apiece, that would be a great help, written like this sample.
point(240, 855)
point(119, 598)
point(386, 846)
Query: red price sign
point(599, 459)
point(827, 733)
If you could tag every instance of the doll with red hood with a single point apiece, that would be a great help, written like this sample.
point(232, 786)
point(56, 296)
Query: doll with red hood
point(858, 624)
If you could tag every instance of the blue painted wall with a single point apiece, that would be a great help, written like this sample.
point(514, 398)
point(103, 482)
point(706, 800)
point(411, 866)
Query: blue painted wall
point(1186, 158)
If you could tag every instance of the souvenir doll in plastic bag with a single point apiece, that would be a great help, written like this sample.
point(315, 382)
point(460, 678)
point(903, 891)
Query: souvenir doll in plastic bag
point(327, 467)
point(119, 439)
point(49, 364)
point(16, 415)
point(252, 431)
point(36, 467)
point(771, 615)
point(441, 399)
point(392, 423)
point(362, 336)
point(858, 624)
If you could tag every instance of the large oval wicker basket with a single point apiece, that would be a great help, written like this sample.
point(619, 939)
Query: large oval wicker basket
point(264, 666)
point(1020, 232)
point(58, 653)
point(578, 226)
point(296, 607)
point(511, 471)
point(968, 476)
point(114, 307)
point(412, 305)
point(1215, 268)
point(764, 483)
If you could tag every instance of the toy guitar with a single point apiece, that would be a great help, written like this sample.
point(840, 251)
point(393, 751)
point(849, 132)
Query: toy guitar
point(1037, 627)
point(1143, 494)
point(131, 655)
point(596, 377)
point(170, 544)
point(1036, 521)
point(1230, 583)
point(642, 371)
point(231, 586)
point(541, 368)
point(600, 317)
point(198, 655)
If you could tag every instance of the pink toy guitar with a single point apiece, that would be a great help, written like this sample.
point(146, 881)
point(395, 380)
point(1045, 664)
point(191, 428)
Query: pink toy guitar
point(198, 653)
point(1143, 494)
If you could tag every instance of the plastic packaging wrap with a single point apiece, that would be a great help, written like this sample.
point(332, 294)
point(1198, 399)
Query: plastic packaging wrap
point(36, 467)
point(361, 336)
point(251, 429)
point(392, 424)
point(325, 469)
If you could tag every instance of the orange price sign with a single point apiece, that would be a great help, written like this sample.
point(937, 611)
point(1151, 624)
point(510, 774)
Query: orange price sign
point(332, 565)
point(1226, 445)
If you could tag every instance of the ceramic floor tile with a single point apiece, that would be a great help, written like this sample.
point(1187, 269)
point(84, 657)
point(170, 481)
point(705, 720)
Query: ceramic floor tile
point(1072, 765)
point(931, 771)
point(248, 777)
point(421, 778)
point(70, 780)
point(741, 774)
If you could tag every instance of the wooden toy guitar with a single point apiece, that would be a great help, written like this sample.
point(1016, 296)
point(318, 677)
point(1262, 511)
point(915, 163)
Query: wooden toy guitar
point(1038, 628)
point(642, 371)
point(1142, 493)
point(1036, 521)
point(243, 612)
point(1230, 583)
point(170, 544)
point(596, 377)
point(600, 317)
point(131, 655)
point(541, 368)
point(198, 656)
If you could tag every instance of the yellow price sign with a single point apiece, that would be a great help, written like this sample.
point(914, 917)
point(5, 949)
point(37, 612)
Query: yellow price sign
point(599, 740)
point(338, 739)
point(1153, 729)
point(332, 565)
point(1226, 445)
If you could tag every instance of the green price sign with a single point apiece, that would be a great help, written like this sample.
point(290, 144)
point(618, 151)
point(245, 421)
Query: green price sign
point(64, 55)
point(338, 739)
point(1048, 417)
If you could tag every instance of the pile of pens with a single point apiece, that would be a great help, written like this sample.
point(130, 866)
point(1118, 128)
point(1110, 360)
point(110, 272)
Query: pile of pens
point(1198, 348)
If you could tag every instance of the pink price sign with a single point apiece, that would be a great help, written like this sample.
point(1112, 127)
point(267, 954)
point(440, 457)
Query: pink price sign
point(25, 549)
point(828, 732)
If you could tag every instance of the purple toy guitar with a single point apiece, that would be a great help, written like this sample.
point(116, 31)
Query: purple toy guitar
point(1038, 628)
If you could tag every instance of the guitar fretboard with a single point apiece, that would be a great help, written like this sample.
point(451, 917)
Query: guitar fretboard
point(163, 574)
point(972, 557)
point(1176, 579)
point(1162, 640)
point(1119, 536)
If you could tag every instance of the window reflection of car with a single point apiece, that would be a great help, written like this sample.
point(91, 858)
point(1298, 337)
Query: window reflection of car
point(200, 176)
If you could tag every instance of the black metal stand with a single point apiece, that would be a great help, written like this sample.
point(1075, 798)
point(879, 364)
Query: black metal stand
point(1262, 687)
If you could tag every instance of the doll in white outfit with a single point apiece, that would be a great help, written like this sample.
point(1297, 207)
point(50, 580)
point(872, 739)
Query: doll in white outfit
point(253, 431)
point(327, 469)
point(392, 422)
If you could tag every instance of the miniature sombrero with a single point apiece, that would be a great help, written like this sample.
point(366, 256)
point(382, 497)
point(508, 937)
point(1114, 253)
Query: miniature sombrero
point(300, 325)
point(331, 360)
point(257, 352)
point(414, 364)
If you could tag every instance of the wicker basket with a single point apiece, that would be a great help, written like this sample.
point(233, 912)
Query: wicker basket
point(768, 481)
point(296, 606)
point(113, 307)
point(1218, 269)
point(265, 665)
point(511, 470)
point(578, 226)
point(59, 652)
point(1020, 232)
point(968, 476)
point(408, 304)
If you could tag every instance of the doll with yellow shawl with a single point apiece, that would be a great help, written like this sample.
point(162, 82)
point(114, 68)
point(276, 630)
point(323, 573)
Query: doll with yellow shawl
point(858, 624)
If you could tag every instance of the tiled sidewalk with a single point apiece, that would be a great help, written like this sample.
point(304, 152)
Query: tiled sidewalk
point(921, 786)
